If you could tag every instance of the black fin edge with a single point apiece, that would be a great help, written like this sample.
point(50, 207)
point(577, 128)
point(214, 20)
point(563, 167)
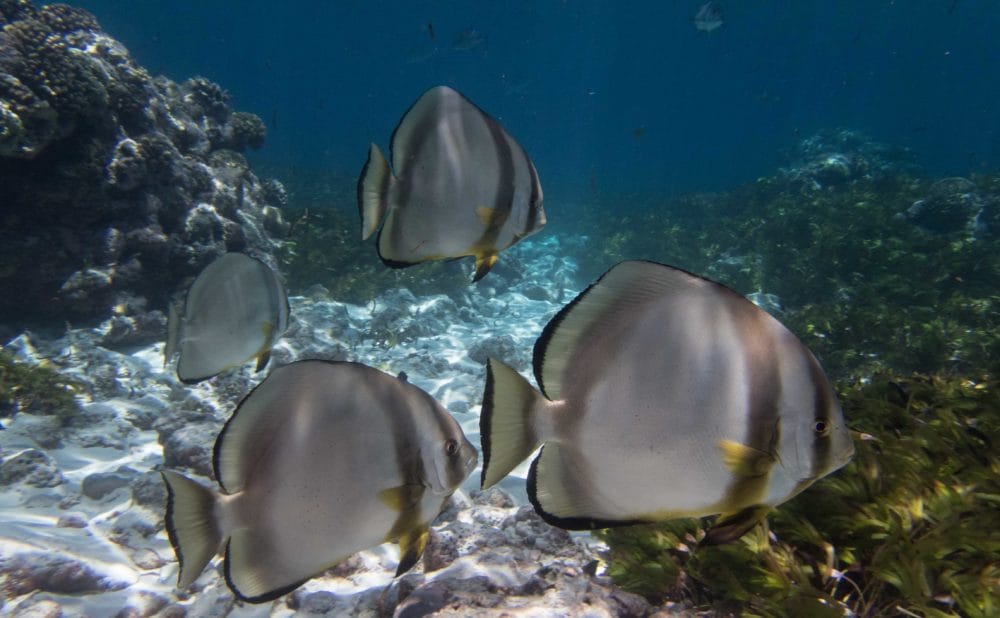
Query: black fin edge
point(485, 419)
point(569, 523)
point(263, 598)
point(538, 354)
point(169, 524)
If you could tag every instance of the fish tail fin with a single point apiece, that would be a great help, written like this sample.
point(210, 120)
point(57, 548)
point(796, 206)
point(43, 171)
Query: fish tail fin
point(191, 525)
point(373, 191)
point(506, 424)
point(173, 333)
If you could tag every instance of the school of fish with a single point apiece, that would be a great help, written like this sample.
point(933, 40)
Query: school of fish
point(660, 394)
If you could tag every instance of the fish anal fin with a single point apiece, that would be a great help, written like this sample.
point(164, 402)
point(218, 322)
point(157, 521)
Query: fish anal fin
point(484, 262)
point(743, 460)
point(731, 526)
point(411, 547)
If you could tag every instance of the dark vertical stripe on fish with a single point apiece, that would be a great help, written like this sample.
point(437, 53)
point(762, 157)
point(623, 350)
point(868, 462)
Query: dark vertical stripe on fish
point(503, 202)
point(822, 404)
point(763, 431)
point(533, 202)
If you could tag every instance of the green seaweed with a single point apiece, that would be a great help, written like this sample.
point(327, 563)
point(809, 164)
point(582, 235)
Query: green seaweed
point(323, 247)
point(35, 388)
point(910, 525)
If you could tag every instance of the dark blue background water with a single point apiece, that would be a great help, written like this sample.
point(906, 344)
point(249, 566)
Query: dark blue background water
point(599, 96)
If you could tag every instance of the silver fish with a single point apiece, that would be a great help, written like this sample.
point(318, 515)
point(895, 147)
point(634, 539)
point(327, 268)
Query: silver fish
point(462, 186)
point(235, 311)
point(665, 395)
point(320, 461)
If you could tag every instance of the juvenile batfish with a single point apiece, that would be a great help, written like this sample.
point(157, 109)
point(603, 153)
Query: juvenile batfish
point(665, 395)
point(459, 186)
point(235, 311)
point(320, 461)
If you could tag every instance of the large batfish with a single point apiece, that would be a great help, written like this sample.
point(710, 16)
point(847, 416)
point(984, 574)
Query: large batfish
point(665, 395)
point(235, 311)
point(462, 186)
point(320, 461)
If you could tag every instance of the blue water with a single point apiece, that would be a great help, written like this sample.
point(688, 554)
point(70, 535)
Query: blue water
point(602, 98)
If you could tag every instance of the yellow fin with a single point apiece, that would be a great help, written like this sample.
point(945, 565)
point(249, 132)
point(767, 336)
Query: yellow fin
point(484, 262)
point(263, 355)
point(731, 526)
point(402, 498)
point(743, 460)
point(411, 547)
point(485, 215)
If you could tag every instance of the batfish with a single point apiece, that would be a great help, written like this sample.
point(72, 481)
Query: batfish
point(235, 311)
point(459, 186)
point(663, 395)
point(321, 460)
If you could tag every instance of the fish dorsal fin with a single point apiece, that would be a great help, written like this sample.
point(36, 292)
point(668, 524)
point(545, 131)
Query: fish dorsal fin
point(743, 460)
point(253, 425)
point(611, 302)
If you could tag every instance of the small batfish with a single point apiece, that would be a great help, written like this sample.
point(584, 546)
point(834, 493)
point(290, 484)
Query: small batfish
point(320, 461)
point(235, 311)
point(709, 17)
point(459, 186)
point(665, 396)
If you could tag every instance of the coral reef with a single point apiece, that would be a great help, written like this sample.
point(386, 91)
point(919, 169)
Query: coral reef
point(117, 186)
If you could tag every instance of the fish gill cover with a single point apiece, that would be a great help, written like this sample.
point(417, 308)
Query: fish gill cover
point(888, 273)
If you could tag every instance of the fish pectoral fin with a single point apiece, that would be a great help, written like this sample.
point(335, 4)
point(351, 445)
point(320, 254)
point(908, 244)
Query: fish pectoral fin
point(402, 498)
point(485, 214)
point(743, 460)
point(730, 526)
point(484, 262)
point(411, 547)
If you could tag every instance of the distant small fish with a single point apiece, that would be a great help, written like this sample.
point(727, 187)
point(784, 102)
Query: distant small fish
point(430, 31)
point(235, 311)
point(664, 395)
point(469, 39)
point(709, 17)
point(459, 186)
point(320, 461)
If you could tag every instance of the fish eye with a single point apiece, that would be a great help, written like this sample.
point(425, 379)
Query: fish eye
point(821, 428)
point(451, 447)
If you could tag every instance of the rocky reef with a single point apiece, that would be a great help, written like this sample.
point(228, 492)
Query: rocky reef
point(118, 185)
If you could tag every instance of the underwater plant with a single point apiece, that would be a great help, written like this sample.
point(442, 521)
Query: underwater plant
point(907, 528)
point(27, 387)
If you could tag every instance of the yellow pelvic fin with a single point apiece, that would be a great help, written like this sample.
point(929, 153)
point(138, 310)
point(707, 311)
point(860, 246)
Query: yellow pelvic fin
point(730, 526)
point(411, 547)
point(484, 262)
point(263, 355)
point(743, 460)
